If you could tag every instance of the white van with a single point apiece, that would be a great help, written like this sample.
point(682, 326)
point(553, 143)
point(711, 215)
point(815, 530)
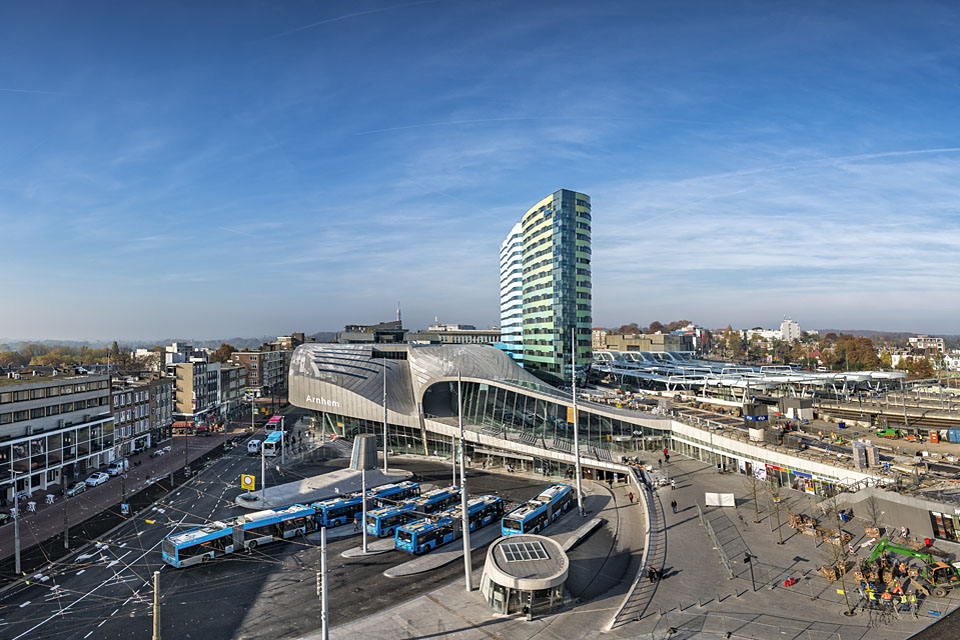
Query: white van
point(118, 466)
point(253, 447)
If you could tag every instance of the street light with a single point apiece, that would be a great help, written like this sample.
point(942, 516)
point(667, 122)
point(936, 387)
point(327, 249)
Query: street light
point(16, 523)
point(363, 457)
point(748, 559)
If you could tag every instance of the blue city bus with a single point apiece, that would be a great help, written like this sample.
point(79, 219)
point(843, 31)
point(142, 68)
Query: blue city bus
point(424, 535)
point(249, 531)
point(339, 511)
point(382, 522)
point(272, 444)
point(534, 515)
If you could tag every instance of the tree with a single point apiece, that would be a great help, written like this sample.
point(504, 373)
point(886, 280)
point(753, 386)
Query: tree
point(777, 504)
point(886, 360)
point(920, 368)
point(12, 359)
point(633, 327)
point(655, 326)
point(754, 486)
point(836, 554)
point(223, 353)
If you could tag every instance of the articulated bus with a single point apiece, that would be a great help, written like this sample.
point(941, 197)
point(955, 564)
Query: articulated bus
point(216, 539)
point(536, 514)
point(427, 534)
point(382, 522)
point(275, 423)
point(347, 508)
point(272, 444)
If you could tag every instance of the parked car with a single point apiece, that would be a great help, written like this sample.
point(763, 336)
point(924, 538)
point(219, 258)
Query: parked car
point(166, 449)
point(76, 487)
point(97, 478)
point(158, 452)
point(118, 466)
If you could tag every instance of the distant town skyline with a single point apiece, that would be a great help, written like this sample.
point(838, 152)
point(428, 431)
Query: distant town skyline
point(302, 169)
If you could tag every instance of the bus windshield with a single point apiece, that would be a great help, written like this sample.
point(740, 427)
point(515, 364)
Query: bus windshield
point(169, 549)
point(404, 536)
point(512, 525)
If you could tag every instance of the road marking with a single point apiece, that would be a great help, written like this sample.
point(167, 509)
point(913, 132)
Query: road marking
point(102, 622)
point(83, 597)
point(81, 571)
point(114, 612)
point(88, 635)
point(24, 604)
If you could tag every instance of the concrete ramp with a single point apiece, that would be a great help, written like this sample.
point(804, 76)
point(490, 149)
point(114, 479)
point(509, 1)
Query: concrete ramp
point(321, 487)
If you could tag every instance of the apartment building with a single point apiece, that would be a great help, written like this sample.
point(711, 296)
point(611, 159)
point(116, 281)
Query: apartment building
point(130, 402)
point(197, 389)
point(266, 370)
point(162, 396)
point(233, 380)
point(922, 343)
point(53, 428)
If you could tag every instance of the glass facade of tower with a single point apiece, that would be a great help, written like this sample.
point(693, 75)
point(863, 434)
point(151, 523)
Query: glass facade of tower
point(557, 294)
point(511, 294)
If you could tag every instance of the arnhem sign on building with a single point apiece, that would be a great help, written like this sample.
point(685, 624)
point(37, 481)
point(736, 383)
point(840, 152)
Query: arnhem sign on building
point(509, 411)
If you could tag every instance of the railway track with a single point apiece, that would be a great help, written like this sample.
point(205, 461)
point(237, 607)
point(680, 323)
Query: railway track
point(892, 417)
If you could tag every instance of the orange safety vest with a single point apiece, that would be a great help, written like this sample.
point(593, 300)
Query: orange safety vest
point(886, 596)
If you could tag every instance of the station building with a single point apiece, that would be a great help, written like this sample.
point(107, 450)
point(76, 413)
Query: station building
point(511, 417)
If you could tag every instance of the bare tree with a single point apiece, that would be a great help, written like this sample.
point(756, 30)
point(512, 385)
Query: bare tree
point(777, 504)
point(873, 510)
point(754, 486)
point(836, 553)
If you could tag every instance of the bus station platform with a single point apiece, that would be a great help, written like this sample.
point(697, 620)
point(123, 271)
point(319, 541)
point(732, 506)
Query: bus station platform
point(567, 526)
point(320, 487)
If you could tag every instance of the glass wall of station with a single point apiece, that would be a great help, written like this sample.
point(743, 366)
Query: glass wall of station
point(545, 423)
point(729, 461)
point(401, 439)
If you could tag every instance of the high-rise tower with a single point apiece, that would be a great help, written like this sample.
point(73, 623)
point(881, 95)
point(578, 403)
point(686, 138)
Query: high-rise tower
point(511, 294)
point(557, 294)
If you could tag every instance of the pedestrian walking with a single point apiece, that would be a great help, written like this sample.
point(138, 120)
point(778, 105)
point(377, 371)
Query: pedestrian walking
point(630, 497)
point(651, 574)
point(356, 524)
point(659, 462)
point(673, 484)
point(673, 505)
point(610, 483)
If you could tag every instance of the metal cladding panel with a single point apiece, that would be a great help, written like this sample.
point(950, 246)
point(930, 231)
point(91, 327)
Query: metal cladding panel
point(364, 454)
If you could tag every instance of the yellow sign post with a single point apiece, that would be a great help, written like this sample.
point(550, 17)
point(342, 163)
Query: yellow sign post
point(248, 482)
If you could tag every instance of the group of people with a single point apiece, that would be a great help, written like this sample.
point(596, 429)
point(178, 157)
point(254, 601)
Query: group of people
point(654, 574)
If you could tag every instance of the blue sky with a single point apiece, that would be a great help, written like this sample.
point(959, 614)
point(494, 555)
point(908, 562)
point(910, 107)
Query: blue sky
point(212, 169)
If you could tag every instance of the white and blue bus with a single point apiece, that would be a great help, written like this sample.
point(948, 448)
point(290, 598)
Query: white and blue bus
point(425, 535)
point(272, 444)
point(347, 508)
point(249, 531)
point(383, 521)
point(534, 515)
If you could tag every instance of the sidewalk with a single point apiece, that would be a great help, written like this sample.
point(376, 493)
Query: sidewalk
point(47, 522)
point(699, 599)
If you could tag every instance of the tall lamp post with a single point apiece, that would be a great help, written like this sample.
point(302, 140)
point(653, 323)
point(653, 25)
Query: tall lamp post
point(16, 523)
point(363, 457)
point(464, 499)
point(386, 466)
point(576, 425)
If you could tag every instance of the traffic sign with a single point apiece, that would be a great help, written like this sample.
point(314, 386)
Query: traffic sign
point(248, 482)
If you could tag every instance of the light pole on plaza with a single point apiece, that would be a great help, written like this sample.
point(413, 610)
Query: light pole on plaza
point(464, 499)
point(576, 425)
point(386, 466)
point(16, 523)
